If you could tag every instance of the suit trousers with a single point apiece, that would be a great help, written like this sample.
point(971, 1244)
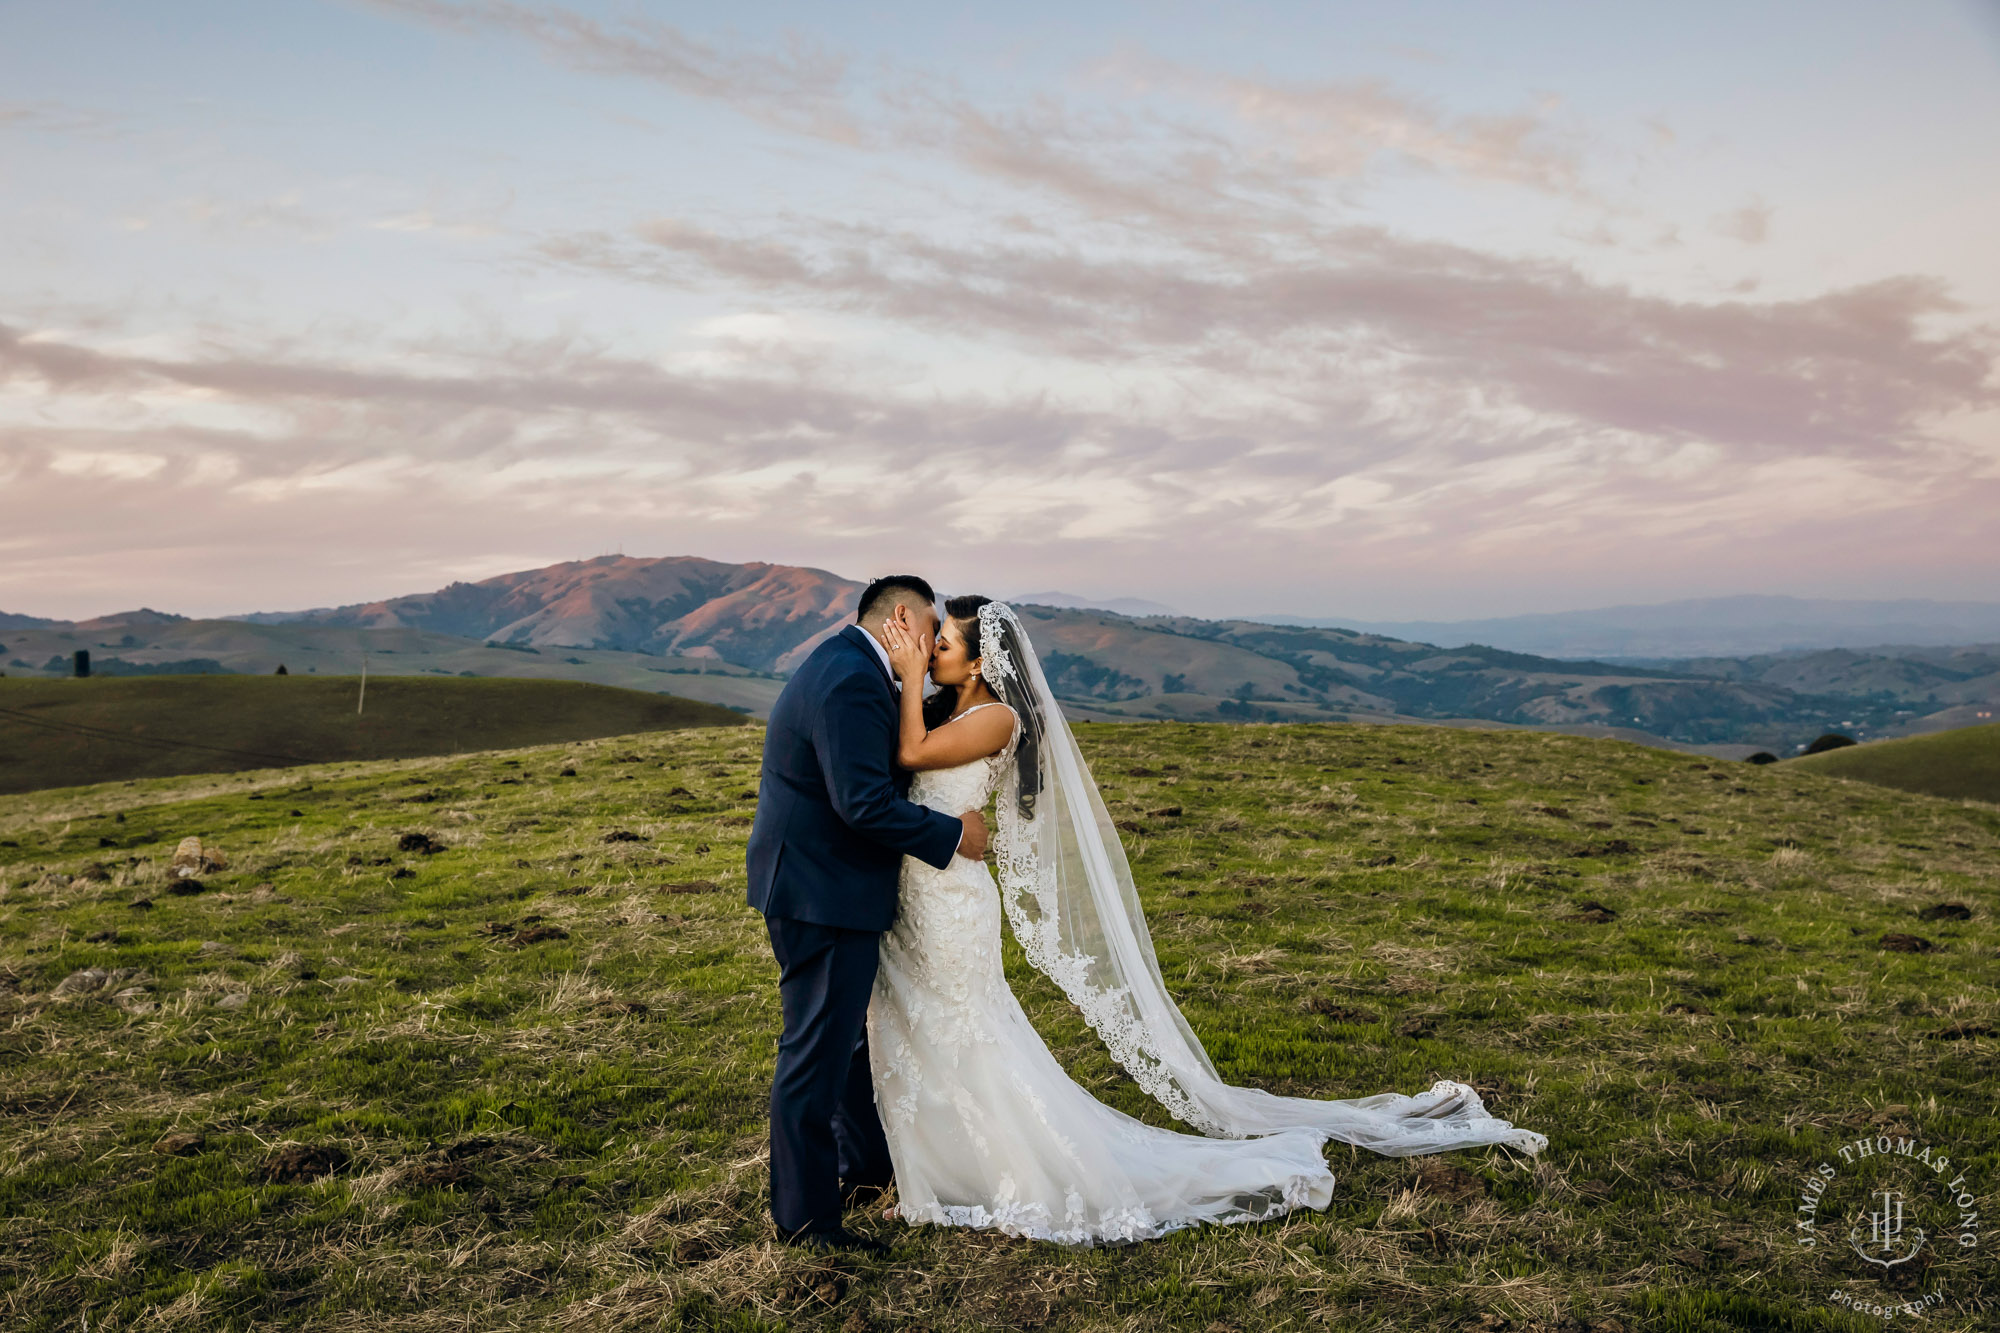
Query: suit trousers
point(824, 1129)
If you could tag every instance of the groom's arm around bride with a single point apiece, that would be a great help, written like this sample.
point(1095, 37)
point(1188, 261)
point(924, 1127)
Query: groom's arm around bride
point(833, 825)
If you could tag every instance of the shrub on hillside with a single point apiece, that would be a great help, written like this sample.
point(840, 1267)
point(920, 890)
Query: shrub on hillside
point(1073, 677)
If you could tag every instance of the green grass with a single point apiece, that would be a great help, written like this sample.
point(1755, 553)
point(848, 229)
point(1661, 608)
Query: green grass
point(69, 732)
point(1964, 763)
point(569, 1134)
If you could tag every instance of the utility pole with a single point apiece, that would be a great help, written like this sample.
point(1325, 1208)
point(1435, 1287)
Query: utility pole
point(362, 702)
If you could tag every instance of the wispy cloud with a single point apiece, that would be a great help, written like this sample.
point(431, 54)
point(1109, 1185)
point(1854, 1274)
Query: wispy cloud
point(1594, 420)
point(1133, 161)
point(800, 88)
point(1346, 129)
point(1855, 370)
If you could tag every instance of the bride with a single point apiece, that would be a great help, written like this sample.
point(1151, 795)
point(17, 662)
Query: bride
point(984, 1127)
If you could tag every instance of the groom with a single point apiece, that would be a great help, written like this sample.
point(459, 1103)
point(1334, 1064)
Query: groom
point(833, 825)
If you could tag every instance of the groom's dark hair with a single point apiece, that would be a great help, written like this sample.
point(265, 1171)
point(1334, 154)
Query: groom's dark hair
point(879, 596)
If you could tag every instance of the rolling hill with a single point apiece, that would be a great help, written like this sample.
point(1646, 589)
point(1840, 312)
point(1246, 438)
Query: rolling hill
point(1104, 666)
point(62, 733)
point(121, 648)
point(756, 615)
point(726, 633)
point(1934, 688)
point(1069, 601)
point(1182, 667)
point(1964, 763)
point(1707, 626)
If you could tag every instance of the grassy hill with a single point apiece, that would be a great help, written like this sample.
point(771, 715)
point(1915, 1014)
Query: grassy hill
point(1932, 689)
point(739, 626)
point(337, 650)
point(763, 615)
point(66, 732)
point(1962, 763)
point(537, 1060)
point(1180, 667)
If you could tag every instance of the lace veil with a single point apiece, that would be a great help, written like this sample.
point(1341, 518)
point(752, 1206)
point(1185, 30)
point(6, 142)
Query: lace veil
point(1069, 896)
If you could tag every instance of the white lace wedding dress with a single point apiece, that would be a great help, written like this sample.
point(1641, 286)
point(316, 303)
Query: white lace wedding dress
point(984, 1127)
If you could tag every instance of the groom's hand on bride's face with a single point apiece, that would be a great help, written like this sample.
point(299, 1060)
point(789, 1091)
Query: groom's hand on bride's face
point(909, 649)
point(972, 840)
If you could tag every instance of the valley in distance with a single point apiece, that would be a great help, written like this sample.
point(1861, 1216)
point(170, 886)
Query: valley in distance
point(726, 635)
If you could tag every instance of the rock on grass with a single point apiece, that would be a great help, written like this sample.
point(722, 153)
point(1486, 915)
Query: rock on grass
point(296, 1162)
point(1945, 912)
point(192, 859)
point(92, 981)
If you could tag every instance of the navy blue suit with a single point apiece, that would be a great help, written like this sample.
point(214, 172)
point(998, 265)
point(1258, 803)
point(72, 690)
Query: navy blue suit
point(833, 825)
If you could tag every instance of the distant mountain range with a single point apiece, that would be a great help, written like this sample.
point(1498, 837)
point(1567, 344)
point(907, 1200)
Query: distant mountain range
point(763, 616)
point(1124, 606)
point(726, 634)
point(1705, 627)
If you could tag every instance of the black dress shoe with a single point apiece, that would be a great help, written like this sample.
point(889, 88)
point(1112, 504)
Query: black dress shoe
point(838, 1240)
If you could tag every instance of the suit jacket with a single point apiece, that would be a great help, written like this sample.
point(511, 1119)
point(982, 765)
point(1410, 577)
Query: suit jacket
point(833, 821)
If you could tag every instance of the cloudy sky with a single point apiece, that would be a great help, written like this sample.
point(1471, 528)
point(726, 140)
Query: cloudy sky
point(1427, 310)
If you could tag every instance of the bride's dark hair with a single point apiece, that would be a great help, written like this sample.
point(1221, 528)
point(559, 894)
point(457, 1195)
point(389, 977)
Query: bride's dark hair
point(1013, 692)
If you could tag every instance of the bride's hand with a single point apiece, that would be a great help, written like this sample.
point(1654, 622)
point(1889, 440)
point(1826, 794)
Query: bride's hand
point(909, 654)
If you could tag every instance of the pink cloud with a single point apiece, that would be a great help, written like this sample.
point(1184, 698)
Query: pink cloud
point(1850, 370)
